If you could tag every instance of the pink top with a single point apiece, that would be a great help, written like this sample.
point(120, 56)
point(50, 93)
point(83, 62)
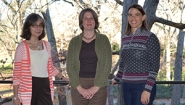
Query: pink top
point(22, 72)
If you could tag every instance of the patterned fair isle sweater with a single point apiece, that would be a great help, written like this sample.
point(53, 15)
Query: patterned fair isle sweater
point(140, 59)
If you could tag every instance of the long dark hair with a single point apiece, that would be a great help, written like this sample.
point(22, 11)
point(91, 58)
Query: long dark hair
point(30, 21)
point(144, 24)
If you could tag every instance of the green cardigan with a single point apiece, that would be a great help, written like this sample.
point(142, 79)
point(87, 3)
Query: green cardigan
point(104, 63)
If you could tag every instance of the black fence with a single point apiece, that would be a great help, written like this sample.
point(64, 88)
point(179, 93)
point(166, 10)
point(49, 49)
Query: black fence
point(65, 83)
point(7, 99)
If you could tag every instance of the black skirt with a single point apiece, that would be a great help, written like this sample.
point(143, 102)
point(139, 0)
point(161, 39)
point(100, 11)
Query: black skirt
point(41, 94)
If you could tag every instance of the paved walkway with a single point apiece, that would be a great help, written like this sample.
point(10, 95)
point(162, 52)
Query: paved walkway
point(166, 101)
point(156, 102)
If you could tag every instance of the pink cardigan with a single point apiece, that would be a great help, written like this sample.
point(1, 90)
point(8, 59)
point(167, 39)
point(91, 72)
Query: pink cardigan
point(22, 72)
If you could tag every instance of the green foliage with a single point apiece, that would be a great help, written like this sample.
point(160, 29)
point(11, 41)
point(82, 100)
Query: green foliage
point(183, 75)
point(6, 68)
point(115, 91)
point(115, 46)
point(7, 71)
point(164, 91)
point(173, 53)
point(183, 54)
point(161, 50)
point(162, 74)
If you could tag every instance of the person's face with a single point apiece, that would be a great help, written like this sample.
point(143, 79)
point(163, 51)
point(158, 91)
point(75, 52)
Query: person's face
point(88, 21)
point(36, 29)
point(135, 18)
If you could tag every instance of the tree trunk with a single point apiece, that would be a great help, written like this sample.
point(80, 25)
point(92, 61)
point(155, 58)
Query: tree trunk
point(54, 54)
point(168, 71)
point(150, 7)
point(176, 93)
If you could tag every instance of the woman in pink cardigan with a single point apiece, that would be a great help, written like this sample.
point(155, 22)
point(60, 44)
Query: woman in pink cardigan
point(33, 67)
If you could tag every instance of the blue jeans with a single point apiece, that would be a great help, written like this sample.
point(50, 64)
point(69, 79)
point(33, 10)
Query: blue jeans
point(132, 93)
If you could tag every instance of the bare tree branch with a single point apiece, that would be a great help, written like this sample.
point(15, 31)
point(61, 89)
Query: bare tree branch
point(69, 2)
point(170, 23)
point(119, 2)
point(8, 4)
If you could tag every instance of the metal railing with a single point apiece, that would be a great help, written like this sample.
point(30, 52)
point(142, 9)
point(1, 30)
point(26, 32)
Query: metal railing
point(65, 83)
point(118, 83)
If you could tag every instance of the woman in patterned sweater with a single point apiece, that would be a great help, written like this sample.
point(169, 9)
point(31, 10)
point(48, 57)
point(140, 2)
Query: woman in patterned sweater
point(139, 60)
point(33, 67)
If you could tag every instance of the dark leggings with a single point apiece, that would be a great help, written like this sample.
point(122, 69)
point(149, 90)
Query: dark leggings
point(41, 94)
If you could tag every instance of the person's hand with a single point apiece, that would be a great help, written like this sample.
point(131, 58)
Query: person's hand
point(17, 102)
point(145, 97)
point(83, 92)
point(93, 90)
point(113, 82)
point(65, 79)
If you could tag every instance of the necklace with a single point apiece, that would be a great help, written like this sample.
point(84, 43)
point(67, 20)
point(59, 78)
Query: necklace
point(37, 45)
point(88, 38)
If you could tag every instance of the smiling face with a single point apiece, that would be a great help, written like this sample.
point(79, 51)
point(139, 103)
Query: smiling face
point(36, 29)
point(88, 21)
point(135, 18)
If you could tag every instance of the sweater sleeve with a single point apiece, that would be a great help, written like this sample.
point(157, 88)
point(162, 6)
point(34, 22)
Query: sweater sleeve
point(153, 47)
point(51, 67)
point(104, 62)
point(17, 64)
point(119, 74)
point(71, 65)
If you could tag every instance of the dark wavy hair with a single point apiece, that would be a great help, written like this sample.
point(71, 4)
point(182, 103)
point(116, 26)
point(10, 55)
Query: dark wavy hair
point(30, 21)
point(95, 16)
point(144, 24)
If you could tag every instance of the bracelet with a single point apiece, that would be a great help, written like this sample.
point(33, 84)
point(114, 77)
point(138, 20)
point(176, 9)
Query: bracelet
point(14, 98)
point(62, 77)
